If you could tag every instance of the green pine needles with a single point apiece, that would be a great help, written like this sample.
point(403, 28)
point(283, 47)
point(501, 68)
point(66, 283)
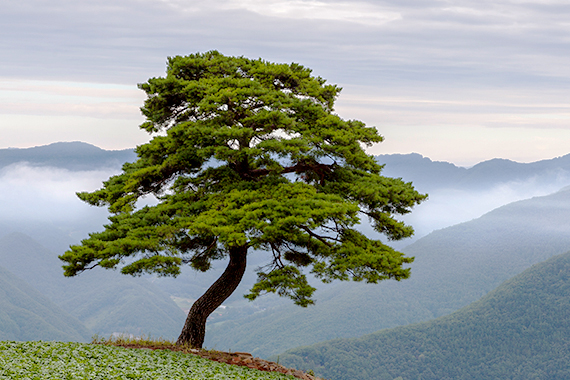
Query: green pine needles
point(248, 154)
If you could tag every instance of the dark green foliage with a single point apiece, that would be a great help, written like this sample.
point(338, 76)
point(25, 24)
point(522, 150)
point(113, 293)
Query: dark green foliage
point(250, 154)
point(25, 314)
point(68, 155)
point(521, 330)
point(453, 267)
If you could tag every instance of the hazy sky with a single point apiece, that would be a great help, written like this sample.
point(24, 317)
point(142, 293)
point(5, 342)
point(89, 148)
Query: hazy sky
point(462, 81)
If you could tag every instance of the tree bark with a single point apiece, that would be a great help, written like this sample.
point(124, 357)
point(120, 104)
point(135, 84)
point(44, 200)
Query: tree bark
point(195, 327)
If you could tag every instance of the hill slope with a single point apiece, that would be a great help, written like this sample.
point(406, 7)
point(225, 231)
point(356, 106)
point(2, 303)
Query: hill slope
point(105, 301)
point(25, 314)
point(453, 267)
point(521, 330)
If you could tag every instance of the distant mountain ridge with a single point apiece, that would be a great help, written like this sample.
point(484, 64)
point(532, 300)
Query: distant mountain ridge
point(519, 331)
point(428, 175)
point(351, 309)
point(424, 172)
point(68, 155)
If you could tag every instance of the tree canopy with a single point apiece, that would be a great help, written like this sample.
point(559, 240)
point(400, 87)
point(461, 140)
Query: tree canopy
point(248, 154)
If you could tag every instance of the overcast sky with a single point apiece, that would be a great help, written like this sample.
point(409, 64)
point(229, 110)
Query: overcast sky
point(461, 81)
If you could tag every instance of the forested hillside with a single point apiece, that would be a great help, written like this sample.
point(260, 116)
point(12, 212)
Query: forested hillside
point(453, 267)
point(521, 330)
point(26, 314)
point(105, 301)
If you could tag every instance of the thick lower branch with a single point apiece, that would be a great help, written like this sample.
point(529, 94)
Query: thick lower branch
point(318, 237)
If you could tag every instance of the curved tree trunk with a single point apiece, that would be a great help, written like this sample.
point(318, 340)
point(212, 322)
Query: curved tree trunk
point(195, 327)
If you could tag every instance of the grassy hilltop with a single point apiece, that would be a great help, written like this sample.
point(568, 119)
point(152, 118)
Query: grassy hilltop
point(53, 360)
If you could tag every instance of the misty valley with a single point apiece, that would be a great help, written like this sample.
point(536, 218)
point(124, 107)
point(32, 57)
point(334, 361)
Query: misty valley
point(487, 297)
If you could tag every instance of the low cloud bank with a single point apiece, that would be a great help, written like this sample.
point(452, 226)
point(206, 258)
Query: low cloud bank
point(47, 193)
point(449, 206)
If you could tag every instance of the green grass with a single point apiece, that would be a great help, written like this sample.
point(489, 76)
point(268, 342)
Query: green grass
point(143, 341)
point(62, 361)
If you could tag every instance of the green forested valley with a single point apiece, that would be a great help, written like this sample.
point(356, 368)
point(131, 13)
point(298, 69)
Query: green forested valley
point(104, 302)
point(27, 314)
point(521, 330)
point(454, 267)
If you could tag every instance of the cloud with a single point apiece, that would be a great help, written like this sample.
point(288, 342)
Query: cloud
point(47, 194)
point(32, 97)
point(460, 64)
point(357, 12)
point(130, 39)
point(448, 206)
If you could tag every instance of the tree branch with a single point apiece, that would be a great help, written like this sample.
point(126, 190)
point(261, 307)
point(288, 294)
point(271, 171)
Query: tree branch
point(318, 237)
point(300, 167)
point(201, 254)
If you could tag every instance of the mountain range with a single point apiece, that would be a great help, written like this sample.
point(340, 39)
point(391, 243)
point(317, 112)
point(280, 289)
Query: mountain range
point(431, 175)
point(453, 267)
point(73, 156)
point(426, 174)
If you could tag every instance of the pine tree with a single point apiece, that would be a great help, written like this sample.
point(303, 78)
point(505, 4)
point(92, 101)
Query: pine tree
point(245, 155)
